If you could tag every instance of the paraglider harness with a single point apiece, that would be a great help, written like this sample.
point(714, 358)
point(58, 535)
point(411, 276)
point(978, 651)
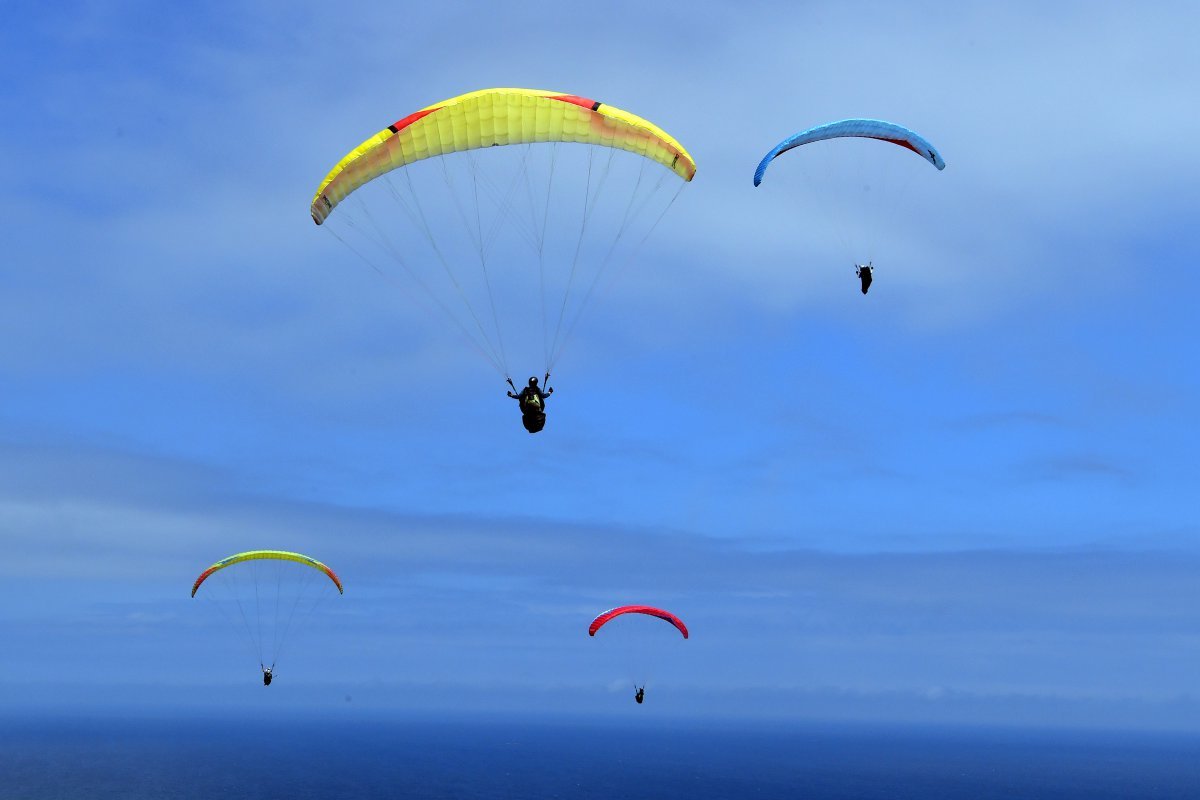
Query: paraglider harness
point(640, 694)
point(267, 674)
point(864, 272)
point(533, 405)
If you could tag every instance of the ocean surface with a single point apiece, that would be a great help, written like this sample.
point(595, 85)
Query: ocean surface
point(496, 758)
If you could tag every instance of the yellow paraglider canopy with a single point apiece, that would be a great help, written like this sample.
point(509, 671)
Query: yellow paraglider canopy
point(492, 117)
point(277, 555)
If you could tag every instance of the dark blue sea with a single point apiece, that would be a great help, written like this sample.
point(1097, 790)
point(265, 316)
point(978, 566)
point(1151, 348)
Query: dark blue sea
point(499, 758)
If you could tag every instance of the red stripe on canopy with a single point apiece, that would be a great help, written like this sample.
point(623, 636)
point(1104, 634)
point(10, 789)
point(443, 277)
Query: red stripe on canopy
point(411, 118)
point(590, 105)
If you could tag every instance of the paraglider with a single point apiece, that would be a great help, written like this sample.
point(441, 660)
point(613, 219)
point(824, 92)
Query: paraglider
point(264, 592)
point(599, 622)
point(505, 223)
point(860, 129)
point(532, 401)
point(864, 273)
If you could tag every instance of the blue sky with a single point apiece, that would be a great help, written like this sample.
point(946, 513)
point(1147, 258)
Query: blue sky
point(967, 497)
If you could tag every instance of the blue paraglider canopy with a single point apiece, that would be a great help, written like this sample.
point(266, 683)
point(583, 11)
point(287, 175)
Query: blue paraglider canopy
point(862, 128)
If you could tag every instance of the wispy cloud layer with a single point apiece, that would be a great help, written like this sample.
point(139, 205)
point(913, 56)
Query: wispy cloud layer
point(108, 568)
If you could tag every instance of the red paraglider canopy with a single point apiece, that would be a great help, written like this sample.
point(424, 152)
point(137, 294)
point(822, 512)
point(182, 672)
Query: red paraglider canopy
point(600, 621)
